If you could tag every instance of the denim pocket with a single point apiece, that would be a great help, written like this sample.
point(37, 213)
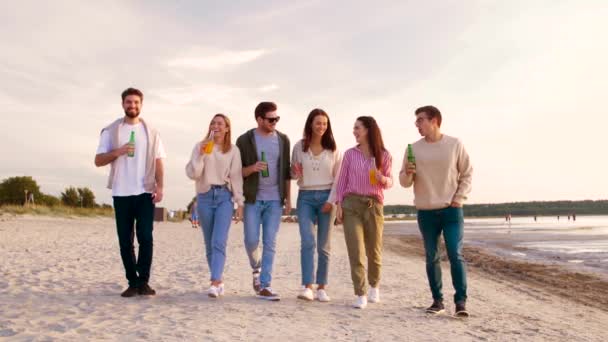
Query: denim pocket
point(453, 214)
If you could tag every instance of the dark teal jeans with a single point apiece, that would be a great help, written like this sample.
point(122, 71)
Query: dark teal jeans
point(450, 221)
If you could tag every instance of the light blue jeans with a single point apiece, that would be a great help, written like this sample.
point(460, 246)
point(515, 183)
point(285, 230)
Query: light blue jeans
point(266, 214)
point(309, 211)
point(215, 209)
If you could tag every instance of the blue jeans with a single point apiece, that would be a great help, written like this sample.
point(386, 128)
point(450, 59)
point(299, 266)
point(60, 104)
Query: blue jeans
point(266, 214)
point(215, 208)
point(431, 223)
point(309, 207)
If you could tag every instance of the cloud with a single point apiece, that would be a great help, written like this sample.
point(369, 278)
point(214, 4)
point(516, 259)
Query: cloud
point(268, 88)
point(217, 61)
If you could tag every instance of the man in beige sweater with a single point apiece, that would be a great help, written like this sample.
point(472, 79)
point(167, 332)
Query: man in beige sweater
point(441, 175)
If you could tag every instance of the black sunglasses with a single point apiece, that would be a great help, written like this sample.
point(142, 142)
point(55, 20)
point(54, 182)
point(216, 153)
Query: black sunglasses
point(273, 120)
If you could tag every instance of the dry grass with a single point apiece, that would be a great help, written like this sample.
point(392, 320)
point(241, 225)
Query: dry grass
point(57, 211)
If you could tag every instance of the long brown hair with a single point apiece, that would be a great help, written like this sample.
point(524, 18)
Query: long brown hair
point(374, 138)
point(227, 144)
point(327, 140)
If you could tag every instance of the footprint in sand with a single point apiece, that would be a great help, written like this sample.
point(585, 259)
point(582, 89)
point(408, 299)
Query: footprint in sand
point(7, 333)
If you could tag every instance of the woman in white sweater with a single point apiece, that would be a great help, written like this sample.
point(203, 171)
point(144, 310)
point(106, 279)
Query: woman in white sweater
point(315, 165)
point(216, 168)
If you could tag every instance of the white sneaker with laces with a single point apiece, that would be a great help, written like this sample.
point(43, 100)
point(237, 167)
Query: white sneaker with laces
point(306, 294)
point(374, 295)
point(322, 296)
point(361, 302)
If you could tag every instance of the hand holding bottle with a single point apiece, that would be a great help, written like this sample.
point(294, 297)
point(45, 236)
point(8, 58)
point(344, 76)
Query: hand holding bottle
point(207, 144)
point(124, 149)
point(258, 166)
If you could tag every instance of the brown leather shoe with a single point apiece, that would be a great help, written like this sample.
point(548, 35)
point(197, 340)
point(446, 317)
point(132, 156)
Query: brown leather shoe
point(146, 290)
point(267, 294)
point(461, 310)
point(130, 292)
point(436, 308)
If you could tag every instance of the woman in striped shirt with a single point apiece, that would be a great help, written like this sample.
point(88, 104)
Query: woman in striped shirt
point(364, 174)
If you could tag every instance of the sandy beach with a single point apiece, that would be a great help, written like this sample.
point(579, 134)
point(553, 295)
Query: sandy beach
point(61, 279)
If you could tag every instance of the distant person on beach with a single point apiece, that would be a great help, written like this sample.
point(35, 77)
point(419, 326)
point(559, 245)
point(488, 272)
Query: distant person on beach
point(441, 176)
point(315, 164)
point(266, 186)
point(135, 153)
point(573, 217)
point(364, 175)
point(194, 215)
point(534, 218)
point(215, 166)
point(29, 198)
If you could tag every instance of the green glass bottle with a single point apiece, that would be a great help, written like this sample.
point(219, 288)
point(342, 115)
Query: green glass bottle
point(132, 143)
point(264, 172)
point(410, 154)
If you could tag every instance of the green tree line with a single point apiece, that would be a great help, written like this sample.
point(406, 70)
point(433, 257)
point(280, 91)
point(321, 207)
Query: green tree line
point(13, 192)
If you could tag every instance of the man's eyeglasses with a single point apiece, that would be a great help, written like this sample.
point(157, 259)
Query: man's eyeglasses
point(273, 119)
point(420, 119)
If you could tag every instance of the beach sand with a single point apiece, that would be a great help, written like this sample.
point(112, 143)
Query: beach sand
point(60, 279)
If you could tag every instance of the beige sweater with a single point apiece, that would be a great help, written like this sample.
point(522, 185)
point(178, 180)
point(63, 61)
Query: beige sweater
point(217, 168)
point(443, 173)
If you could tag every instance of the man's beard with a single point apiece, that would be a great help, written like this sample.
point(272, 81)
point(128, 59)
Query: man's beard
point(132, 114)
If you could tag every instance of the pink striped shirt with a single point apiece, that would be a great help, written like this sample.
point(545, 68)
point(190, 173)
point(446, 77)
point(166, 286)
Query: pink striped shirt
point(354, 175)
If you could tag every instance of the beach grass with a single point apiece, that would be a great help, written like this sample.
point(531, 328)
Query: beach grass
point(56, 211)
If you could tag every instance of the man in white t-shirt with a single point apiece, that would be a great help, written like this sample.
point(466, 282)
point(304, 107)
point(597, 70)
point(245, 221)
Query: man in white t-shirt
point(135, 154)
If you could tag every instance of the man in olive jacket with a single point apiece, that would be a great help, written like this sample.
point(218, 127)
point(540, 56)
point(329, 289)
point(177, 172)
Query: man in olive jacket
point(266, 186)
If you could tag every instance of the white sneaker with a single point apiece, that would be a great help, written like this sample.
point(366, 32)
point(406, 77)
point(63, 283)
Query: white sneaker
point(361, 302)
point(306, 294)
point(322, 296)
point(374, 295)
point(215, 291)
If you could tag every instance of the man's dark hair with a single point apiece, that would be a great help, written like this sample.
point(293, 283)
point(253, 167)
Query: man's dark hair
point(431, 112)
point(263, 108)
point(132, 91)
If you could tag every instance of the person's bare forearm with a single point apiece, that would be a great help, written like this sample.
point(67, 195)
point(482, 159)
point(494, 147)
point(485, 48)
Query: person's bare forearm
point(247, 171)
point(104, 159)
point(288, 190)
point(160, 173)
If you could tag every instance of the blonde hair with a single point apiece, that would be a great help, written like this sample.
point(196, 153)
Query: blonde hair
point(227, 140)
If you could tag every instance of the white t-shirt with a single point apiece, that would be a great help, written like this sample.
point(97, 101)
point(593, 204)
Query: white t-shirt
point(130, 171)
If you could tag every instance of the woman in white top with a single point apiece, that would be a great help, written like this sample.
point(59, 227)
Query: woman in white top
point(216, 168)
point(315, 165)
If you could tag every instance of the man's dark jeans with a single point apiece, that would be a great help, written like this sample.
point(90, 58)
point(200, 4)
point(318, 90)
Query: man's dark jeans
point(135, 215)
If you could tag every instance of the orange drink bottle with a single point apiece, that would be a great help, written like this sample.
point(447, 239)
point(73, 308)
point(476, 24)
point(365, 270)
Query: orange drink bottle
point(372, 173)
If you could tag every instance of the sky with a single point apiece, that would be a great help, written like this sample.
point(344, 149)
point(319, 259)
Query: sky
point(521, 83)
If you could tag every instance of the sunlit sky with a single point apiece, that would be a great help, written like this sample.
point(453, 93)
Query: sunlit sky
point(522, 83)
